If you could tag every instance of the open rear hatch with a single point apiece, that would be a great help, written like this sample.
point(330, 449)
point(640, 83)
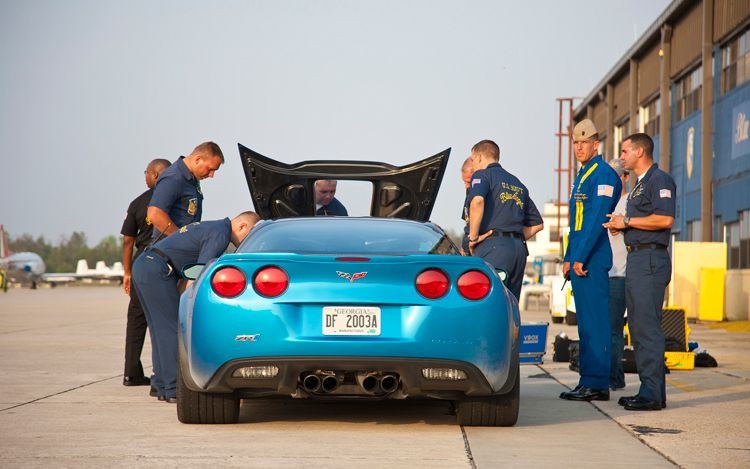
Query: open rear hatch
point(281, 190)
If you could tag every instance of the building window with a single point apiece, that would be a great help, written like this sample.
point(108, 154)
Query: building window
point(745, 239)
point(554, 234)
point(621, 131)
point(733, 245)
point(694, 230)
point(738, 242)
point(649, 122)
point(688, 93)
point(735, 62)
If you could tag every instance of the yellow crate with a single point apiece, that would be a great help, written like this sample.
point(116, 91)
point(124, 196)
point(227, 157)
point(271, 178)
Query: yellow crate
point(679, 360)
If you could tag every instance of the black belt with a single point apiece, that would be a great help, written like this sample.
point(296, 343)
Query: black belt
point(507, 234)
point(638, 247)
point(164, 257)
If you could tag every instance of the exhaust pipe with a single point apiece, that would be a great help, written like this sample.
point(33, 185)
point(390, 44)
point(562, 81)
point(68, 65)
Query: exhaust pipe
point(311, 383)
point(388, 383)
point(329, 383)
point(368, 382)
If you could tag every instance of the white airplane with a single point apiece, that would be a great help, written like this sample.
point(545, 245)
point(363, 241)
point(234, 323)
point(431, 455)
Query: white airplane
point(28, 268)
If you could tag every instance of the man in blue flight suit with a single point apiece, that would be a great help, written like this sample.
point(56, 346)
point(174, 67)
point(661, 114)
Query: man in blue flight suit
point(177, 199)
point(595, 193)
point(647, 224)
point(325, 202)
point(500, 215)
point(156, 276)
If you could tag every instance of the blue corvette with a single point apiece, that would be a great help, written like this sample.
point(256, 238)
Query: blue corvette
point(380, 307)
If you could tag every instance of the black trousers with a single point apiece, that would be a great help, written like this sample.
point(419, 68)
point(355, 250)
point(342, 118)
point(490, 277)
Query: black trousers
point(135, 334)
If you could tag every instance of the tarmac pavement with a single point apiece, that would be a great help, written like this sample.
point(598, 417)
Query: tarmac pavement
point(62, 404)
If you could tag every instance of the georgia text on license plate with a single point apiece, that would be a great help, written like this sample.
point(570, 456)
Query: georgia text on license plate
point(351, 320)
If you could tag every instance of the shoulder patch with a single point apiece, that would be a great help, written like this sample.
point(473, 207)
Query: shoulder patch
point(475, 181)
point(665, 194)
point(605, 190)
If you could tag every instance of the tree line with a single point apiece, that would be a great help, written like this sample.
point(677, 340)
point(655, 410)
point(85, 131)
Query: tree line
point(64, 256)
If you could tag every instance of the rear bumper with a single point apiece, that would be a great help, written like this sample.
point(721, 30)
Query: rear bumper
point(408, 370)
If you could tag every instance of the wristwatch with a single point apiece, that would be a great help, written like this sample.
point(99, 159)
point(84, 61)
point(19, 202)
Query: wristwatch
point(626, 221)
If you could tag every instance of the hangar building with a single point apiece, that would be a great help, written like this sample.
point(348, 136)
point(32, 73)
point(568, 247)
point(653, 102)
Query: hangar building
point(686, 83)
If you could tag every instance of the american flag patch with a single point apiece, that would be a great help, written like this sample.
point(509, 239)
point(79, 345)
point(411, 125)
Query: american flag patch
point(475, 181)
point(605, 190)
point(665, 194)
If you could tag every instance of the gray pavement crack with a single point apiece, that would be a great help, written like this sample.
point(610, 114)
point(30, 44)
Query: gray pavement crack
point(631, 433)
point(58, 393)
point(468, 448)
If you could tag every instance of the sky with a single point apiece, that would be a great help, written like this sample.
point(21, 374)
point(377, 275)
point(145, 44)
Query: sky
point(90, 91)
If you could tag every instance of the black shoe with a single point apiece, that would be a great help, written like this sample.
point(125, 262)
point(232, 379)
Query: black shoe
point(640, 403)
point(171, 400)
point(161, 398)
point(575, 389)
point(135, 381)
point(625, 399)
point(586, 394)
point(152, 392)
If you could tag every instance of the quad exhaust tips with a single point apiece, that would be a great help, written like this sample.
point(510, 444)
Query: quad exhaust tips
point(372, 383)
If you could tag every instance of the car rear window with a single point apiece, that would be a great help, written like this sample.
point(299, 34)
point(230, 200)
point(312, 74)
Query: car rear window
point(347, 236)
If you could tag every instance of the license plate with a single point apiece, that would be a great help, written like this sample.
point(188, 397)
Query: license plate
point(351, 320)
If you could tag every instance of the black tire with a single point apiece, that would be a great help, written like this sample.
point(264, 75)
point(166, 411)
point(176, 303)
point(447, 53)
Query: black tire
point(557, 319)
point(199, 407)
point(570, 318)
point(491, 411)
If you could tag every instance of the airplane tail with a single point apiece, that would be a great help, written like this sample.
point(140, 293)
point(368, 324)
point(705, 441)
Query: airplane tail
point(82, 268)
point(4, 249)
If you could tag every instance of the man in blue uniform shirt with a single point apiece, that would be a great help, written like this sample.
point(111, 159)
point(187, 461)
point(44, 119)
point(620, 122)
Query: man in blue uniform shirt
point(501, 215)
point(325, 202)
point(595, 193)
point(646, 225)
point(156, 275)
point(177, 199)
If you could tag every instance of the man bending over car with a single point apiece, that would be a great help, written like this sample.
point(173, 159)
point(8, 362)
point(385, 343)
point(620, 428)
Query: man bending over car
point(156, 274)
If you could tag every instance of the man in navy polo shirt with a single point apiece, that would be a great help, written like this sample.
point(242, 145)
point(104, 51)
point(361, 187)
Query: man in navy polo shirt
point(177, 200)
point(501, 215)
point(156, 275)
point(647, 225)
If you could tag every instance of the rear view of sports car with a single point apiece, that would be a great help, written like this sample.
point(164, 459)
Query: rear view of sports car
point(349, 308)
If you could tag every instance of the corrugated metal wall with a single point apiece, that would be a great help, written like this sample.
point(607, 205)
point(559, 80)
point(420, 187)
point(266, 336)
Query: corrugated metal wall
point(686, 40)
point(728, 14)
point(648, 73)
point(622, 97)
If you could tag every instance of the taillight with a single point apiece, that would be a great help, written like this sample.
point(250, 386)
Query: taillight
point(432, 283)
point(228, 281)
point(474, 285)
point(271, 281)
